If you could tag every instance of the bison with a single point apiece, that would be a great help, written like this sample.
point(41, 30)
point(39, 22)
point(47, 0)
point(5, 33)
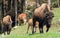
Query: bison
point(30, 23)
point(7, 24)
point(22, 18)
point(43, 15)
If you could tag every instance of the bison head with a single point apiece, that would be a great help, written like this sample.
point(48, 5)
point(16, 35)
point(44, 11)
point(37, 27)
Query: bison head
point(49, 15)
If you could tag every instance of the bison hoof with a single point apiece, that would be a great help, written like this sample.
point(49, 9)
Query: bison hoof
point(46, 30)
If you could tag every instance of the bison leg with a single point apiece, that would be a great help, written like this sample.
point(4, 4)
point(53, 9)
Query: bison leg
point(35, 28)
point(41, 27)
point(8, 32)
point(18, 23)
point(9, 29)
point(24, 21)
point(47, 26)
point(34, 20)
point(4, 30)
point(28, 28)
point(32, 29)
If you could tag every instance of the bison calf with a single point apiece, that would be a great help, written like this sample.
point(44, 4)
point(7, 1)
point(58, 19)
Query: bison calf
point(22, 18)
point(7, 24)
point(30, 23)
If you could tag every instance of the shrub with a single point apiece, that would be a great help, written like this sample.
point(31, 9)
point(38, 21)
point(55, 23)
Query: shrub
point(55, 4)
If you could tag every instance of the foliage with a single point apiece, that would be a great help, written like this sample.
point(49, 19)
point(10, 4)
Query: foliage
point(55, 4)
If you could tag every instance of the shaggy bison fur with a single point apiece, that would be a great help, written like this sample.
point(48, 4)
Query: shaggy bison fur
point(7, 24)
point(43, 15)
point(22, 18)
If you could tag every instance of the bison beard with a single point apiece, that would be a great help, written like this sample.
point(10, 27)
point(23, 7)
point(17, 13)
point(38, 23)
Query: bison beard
point(45, 21)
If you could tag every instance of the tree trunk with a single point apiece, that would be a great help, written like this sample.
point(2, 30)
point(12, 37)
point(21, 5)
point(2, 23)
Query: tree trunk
point(22, 5)
point(13, 2)
point(2, 9)
point(9, 4)
point(15, 12)
point(58, 2)
point(49, 3)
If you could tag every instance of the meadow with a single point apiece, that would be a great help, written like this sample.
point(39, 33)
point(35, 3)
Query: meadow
point(54, 32)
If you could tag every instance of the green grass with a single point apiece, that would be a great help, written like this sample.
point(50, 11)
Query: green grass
point(20, 32)
point(56, 14)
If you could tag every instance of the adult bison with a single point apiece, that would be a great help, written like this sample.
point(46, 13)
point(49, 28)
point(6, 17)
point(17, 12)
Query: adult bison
point(43, 15)
point(22, 18)
point(30, 23)
point(7, 24)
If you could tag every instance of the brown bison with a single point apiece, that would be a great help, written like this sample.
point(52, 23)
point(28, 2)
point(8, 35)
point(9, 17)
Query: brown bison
point(43, 15)
point(30, 23)
point(7, 24)
point(22, 18)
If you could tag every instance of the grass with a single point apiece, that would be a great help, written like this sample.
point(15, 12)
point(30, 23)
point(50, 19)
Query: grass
point(56, 14)
point(20, 32)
